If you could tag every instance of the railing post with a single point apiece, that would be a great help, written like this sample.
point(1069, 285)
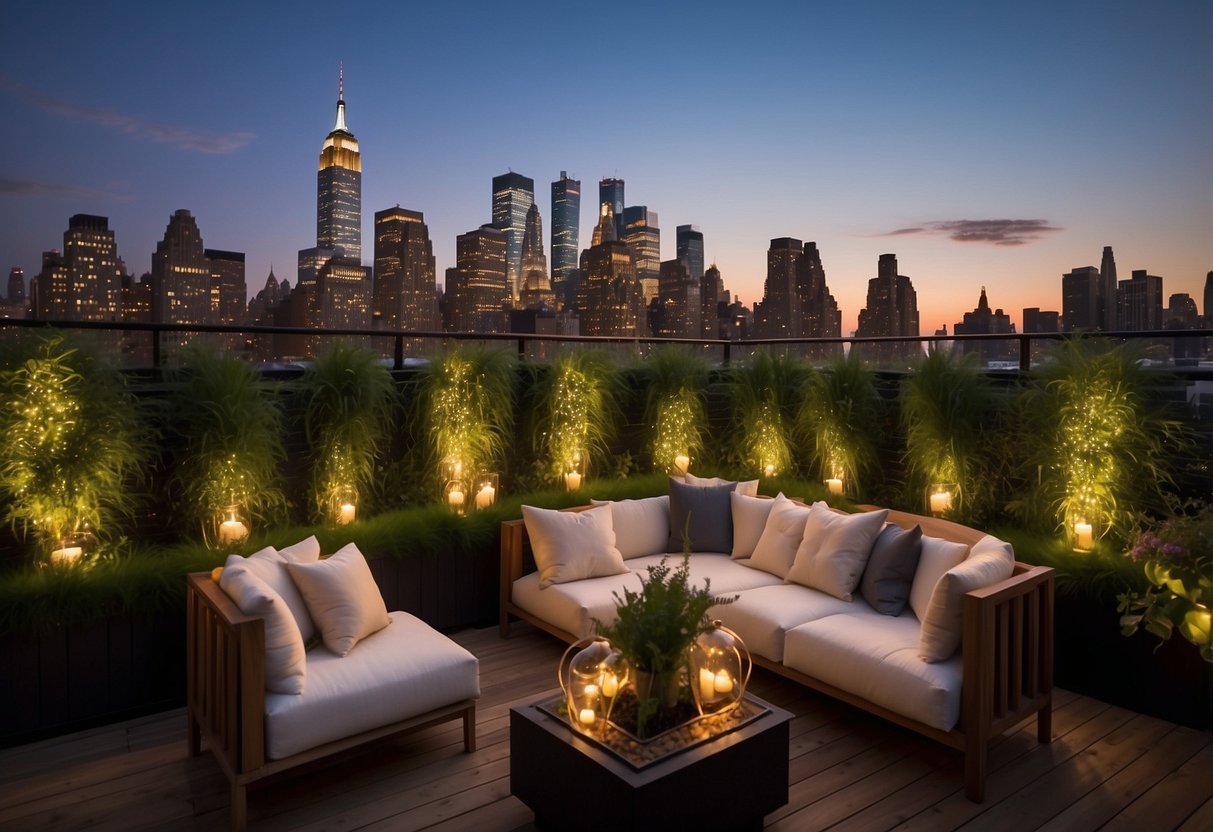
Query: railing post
point(522, 349)
point(398, 354)
point(156, 348)
point(1025, 353)
point(728, 352)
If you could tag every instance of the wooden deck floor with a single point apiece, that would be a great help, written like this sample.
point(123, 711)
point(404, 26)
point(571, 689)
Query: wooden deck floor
point(1107, 768)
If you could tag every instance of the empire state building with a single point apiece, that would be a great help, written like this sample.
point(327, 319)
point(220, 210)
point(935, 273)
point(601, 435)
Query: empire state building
point(339, 189)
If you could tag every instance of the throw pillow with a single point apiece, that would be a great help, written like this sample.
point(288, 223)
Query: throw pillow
point(749, 487)
point(642, 527)
point(776, 549)
point(305, 551)
point(285, 658)
point(571, 545)
point(269, 564)
point(700, 518)
point(990, 561)
point(834, 550)
point(749, 519)
point(890, 571)
point(938, 556)
point(343, 598)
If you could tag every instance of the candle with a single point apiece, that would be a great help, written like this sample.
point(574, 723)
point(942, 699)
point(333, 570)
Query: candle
point(486, 496)
point(68, 554)
point(834, 485)
point(707, 685)
point(586, 717)
point(681, 463)
point(455, 497)
point(723, 682)
point(572, 481)
point(346, 515)
point(591, 693)
point(769, 470)
point(1083, 535)
point(232, 531)
point(610, 685)
point(941, 502)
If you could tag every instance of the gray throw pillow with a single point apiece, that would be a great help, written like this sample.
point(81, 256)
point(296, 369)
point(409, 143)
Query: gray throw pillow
point(710, 514)
point(890, 571)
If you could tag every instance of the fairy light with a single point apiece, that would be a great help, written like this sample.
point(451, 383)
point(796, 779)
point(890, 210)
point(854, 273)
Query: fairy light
point(679, 420)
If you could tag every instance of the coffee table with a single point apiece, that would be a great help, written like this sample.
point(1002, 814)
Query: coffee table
point(729, 782)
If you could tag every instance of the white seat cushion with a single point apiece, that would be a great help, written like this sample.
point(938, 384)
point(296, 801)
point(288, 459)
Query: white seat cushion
point(875, 657)
point(405, 669)
point(728, 576)
point(573, 606)
point(762, 616)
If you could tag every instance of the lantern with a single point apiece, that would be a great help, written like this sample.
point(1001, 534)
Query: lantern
point(486, 490)
point(456, 494)
point(232, 524)
point(71, 550)
point(574, 470)
point(591, 678)
point(1084, 535)
point(720, 669)
point(834, 486)
point(941, 498)
point(345, 506)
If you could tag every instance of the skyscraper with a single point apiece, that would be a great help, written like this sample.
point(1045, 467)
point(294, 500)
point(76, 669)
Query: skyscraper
point(513, 196)
point(181, 278)
point(983, 321)
point(689, 240)
point(610, 192)
point(891, 310)
point(1208, 299)
point(339, 189)
point(1080, 294)
point(780, 301)
point(818, 315)
point(404, 272)
point(16, 286)
point(711, 293)
point(85, 282)
point(478, 299)
point(566, 226)
point(536, 288)
point(1139, 303)
point(609, 298)
point(229, 294)
point(679, 300)
point(642, 233)
point(1107, 290)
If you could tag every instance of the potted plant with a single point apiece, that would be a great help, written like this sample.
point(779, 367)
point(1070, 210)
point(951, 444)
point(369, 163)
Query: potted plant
point(654, 629)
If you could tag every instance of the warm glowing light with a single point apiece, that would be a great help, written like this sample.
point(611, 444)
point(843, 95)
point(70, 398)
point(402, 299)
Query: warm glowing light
point(682, 464)
point(1083, 536)
point(67, 555)
point(232, 531)
point(572, 480)
point(346, 514)
point(610, 685)
point(834, 485)
point(486, 496)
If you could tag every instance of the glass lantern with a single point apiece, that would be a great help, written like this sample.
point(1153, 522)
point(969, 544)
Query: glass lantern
point(71, 550)
point(451, 469)
point(720, 669)
point(592, 674)
point(486, 490)
point(344, 508)
point(232, 525)
point(574, 471)
point(941, 497)
point(834, 485)
point(455, 493)
point(1083, 534)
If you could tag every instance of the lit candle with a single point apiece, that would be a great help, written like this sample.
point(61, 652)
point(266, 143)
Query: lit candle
point(232, 531)
point(723, 682)
point(682, 462)
point(486, 496)
point(610, 685)
point(68, 554)
point(941, 502)
point(1083, 535)
point(346, 515)
point(707, 685)
point(834, 485)
point(591, 693)
point(572, 481)
point(455, 497)
point(769, 470)
point(586, 716)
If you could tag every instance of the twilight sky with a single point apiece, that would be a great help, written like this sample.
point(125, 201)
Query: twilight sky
point(984, 144)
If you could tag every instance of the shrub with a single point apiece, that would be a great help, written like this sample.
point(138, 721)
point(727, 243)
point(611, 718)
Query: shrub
point(839, 419)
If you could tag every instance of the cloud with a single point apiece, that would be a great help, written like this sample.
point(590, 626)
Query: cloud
point(996, 232)
point(183, 138)
point(12, 186)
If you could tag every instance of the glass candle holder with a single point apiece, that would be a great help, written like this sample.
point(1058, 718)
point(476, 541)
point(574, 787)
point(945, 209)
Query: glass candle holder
point(486, 491)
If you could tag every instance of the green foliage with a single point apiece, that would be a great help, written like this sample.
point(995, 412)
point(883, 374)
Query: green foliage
point(348, 396)
point(839, 419)
point(72, 441)
point(764, 393)
point(674, 383)
point(575, 406)
point(229, 427)
point(468, 398)
point(947, 411)
point(1091, 446)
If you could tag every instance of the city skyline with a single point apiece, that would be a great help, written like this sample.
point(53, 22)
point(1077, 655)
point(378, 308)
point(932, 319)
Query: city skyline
point(982, 147)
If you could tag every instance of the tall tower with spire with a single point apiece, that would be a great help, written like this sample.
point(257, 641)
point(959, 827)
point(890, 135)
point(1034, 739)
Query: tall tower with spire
point(339, 188)
point(1108, 285)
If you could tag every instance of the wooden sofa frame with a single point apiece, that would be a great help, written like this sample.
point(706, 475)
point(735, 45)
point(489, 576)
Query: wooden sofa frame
point(225, 696)
point(1007, 645)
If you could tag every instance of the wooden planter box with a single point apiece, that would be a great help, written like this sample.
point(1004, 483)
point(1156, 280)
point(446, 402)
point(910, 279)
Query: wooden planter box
point(91, 673)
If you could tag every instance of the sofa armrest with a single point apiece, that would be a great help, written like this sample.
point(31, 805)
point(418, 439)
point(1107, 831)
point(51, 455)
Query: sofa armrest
point(225, 676)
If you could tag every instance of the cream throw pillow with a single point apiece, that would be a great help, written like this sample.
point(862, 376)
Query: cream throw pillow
point(571, 545)
point(343, 598)
point(835, 549)
point(938, 556)
point(990, 561)
point(749, 521)
point(641, 527)
point(776, 549)
point(269, 564)
point(285, 658)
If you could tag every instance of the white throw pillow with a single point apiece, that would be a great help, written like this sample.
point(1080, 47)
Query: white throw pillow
point(269, 564)
point(571, 545)
point(342, 596)
point(835, 549)
point(641, 527)
point(749, 520)
point(990, 561)
point(938, 556)
point(749, 488)
point(285, 658)
point(776, 549)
